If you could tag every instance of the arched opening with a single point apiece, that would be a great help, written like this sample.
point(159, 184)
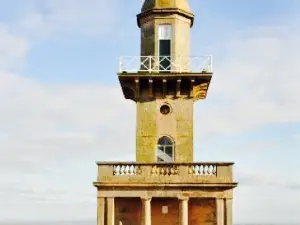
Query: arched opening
point(165, 150)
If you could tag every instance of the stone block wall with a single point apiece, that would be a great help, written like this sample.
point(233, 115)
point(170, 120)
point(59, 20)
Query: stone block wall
point(152, 124)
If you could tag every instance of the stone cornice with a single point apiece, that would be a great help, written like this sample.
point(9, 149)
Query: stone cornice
point(164, 11)
point(164, 163)
point(131, 185)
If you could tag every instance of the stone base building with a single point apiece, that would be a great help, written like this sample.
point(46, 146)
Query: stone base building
point(164, 186)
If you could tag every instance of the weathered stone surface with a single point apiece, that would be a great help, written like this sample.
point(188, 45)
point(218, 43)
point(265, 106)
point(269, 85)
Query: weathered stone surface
point(178, 125)
point(180, 43)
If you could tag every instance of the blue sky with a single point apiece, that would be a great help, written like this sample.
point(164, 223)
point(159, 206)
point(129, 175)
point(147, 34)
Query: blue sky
point(58, 65)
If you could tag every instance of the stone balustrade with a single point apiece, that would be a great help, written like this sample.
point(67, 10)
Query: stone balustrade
point(133, 172)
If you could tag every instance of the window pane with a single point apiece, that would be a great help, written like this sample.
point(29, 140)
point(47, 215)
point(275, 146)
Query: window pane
point(163, 156)
point(165, 49)
point(169, 151)
point(165, 150)
point(165, 141)
point(160, 147)
point(161, 141)
point(168, 159)
point(159, 159)
point(165, 32)
point(164, 53)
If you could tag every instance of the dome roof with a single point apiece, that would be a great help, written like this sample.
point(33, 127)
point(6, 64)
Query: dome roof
point(160, 4)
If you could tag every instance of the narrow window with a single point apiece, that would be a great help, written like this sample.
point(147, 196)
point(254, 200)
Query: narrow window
point(165, 150)
point(164, 40)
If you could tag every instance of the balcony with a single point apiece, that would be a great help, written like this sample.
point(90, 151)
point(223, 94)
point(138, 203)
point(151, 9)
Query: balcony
point(158, 64)
point(133, 173)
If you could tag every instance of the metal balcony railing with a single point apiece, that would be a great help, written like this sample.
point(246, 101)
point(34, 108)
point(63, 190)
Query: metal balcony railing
point(177, 64)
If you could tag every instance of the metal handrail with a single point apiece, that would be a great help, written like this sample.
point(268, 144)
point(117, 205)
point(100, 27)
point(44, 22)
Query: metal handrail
point(181, 64)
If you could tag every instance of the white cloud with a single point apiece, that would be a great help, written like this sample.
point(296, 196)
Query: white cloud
point(297, 136)
point(263, 179)
point(52, 137)
point(270, 205)
point(51, 130)
point(54, 117)
point(256, 82)
point(13, 49)
point(55, 17)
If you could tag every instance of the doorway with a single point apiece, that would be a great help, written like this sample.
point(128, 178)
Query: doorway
point(164, 49)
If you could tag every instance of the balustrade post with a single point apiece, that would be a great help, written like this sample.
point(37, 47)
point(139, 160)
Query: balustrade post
point(146, 171)
point(224, 171)
point(104, 171)
point(183, 171)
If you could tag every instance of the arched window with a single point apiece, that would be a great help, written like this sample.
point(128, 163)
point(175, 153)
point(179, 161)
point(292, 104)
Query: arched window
point(165, 150)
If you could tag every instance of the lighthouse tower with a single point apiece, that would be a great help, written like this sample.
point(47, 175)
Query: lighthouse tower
point(164, 185)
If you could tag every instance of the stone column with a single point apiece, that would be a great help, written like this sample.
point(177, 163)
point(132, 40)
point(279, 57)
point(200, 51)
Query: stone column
point(183, 211)
point(111, 211)
point(146, 211)
point(228, 208)
point(220, 211)
point(100, 211)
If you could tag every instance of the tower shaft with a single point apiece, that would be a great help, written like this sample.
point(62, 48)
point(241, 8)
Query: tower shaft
point(165, 82)
point(152, 124)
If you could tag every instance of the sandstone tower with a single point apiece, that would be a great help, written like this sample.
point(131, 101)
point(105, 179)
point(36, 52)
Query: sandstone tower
point(164, 185)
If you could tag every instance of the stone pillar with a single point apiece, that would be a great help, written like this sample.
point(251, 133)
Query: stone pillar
point(100, 211)
point(146, 211)
point(228, 210)
point(111, 211)
point(183, 211)
point(220, 211)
